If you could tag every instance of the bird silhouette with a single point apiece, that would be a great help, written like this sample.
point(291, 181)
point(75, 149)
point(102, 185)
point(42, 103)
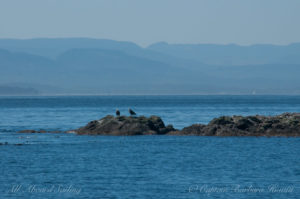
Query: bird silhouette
point(118, 112)
point(131, 112)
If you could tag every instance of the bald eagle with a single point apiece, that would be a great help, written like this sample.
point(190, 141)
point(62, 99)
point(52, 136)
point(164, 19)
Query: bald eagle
point(131, 112)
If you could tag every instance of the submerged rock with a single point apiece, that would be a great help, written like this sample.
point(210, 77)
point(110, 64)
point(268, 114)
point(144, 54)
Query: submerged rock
point(28, 131)
point(38, 131)
point(123, 125)
point(287, 124)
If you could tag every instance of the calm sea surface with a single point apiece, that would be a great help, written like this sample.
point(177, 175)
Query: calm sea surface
point(70, 166)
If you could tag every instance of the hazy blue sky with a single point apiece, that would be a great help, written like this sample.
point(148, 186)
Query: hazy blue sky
point(147, 21)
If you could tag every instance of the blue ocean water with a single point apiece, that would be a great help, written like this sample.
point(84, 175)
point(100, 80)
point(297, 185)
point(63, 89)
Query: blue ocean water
point(70, 166)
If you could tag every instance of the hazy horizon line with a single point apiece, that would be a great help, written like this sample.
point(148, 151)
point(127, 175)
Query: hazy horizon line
point(157, 42)
point(82, 95)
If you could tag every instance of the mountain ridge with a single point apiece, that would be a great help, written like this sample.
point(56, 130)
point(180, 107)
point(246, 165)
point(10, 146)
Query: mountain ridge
point(126, 68)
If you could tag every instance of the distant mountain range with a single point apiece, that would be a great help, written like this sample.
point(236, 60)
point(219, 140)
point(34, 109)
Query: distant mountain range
point(95, 66)
point(232, 54)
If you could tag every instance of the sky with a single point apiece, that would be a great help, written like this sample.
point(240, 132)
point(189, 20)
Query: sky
point(144, 22)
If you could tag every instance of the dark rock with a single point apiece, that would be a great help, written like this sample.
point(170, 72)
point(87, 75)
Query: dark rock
point(38, 131)
point(28, 131)
point(124, 125)
point(287, 124)
point(254, 119)
point(194, 129)
point(169, 128)
point(19, 144)
point(223, 120)
point(244, 123)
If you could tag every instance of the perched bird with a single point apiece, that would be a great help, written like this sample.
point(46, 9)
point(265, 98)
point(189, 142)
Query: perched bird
point(131, 112)
point(118, 112)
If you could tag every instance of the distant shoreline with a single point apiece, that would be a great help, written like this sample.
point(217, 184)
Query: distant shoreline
point(79, 95)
